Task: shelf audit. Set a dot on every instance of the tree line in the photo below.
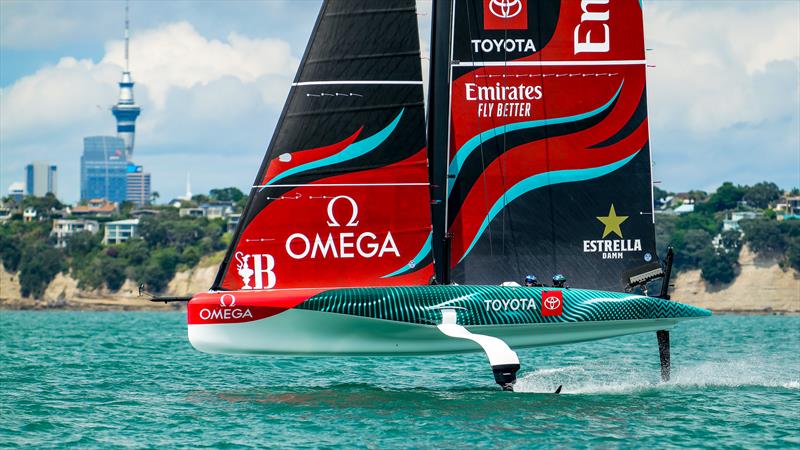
(692, 234)
(167, 243)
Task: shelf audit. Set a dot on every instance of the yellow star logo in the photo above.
(612, 222)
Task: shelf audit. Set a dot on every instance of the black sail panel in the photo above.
(549, 151)
(342, 195)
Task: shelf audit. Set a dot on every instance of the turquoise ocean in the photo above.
(131, 380)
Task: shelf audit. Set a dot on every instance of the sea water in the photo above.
(131, 380)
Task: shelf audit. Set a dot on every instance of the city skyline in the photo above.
(723, 96)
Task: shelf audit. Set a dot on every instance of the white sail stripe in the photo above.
(622, 62)
(338, 185)
(323, 83)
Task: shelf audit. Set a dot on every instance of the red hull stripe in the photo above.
(244, 306)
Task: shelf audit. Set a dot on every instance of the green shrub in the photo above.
(764, 236)
(10, 253)
(690, 245)
(727, 196)
(82, 244)
(135, 252)
(159, 269)
(39, 265)
(793, 253)
(762, 194)
(731, 241)
(190, 256)
(718, 267)
(226, 194)
(114, 274)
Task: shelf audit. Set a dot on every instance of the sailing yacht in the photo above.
(376, 226)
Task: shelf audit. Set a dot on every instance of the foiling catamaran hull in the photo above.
(534, 156)
(406, 320)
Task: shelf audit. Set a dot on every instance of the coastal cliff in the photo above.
(63, 292)
(761, 286)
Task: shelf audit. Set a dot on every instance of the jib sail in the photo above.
(342, 196)
(549, 165)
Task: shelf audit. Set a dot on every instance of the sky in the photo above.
(212, 76)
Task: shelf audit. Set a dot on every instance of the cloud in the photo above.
(177, 56)
(198, 95)
(55, 98)
(724, 99)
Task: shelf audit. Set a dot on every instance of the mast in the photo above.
(438, 133)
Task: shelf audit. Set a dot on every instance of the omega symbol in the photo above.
(332, 222)
(230, 297)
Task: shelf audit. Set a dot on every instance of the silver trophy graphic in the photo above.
(243, 270)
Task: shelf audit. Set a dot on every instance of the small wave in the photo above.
(605, 379)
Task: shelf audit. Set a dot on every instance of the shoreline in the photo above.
(97, 304)
(143, 304)
(762, 287)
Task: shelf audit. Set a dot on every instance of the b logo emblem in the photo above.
(262, 265)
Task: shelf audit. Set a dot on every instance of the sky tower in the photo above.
(126, 110)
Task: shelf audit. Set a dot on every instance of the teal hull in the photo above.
(494, 305)
(403, 320)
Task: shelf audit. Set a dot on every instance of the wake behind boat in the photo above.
(534, 158)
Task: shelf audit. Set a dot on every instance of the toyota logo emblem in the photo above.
(552, 302)
(505, 9)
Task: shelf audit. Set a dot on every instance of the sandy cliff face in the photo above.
(192, 281)
(9, 284)
(63, 292)
(761, 286)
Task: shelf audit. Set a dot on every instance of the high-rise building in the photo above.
(41, 178)
(104, 169)
(138, 191)
(126, 110)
